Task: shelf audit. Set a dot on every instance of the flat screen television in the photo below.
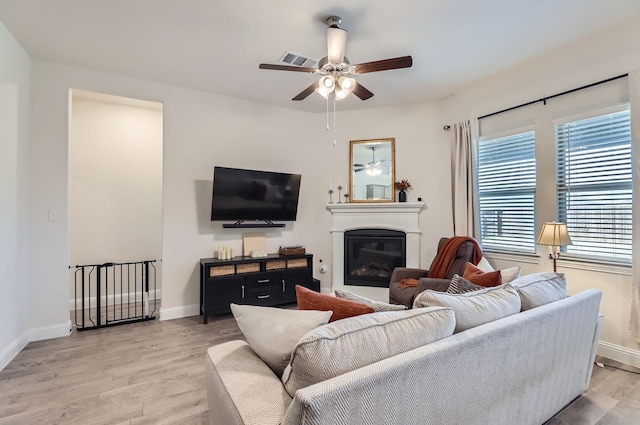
(243, 195)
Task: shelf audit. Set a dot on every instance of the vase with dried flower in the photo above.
(402, 186)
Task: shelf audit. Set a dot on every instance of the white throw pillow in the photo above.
(484, 265)
(273, 332)
(376, 305)
(540, 288)
(510, 274)
(506, 275)
(355, 342)
(474, 308)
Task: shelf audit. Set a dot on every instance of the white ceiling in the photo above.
(216, 46)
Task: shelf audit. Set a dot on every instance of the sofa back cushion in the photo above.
(474, 308)
(540, 288)
(352, 343)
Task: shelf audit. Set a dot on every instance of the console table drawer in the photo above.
(263, 279)
(269, 295)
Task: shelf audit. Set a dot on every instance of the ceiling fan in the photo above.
(373, 168)
(335, 69)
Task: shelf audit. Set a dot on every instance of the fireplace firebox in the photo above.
(370, 255)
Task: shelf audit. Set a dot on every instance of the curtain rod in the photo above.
(544, 99)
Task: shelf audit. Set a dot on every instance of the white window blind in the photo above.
(506, 192)
(594, 185)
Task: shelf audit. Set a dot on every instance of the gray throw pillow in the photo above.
(376, 305)
(460, 285)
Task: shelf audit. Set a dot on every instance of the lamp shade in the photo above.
(554, 234)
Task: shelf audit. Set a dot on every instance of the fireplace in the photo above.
(370, 255)
(400, 216)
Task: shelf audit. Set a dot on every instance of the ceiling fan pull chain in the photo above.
(334, 120)
(327, 113)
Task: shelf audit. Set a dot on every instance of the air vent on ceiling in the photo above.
(295, 59)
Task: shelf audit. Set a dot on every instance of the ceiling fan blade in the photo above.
(306, 92)
(287, 68)
(360, 91)
(384, 65)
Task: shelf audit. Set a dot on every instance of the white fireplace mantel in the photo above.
(402, 216)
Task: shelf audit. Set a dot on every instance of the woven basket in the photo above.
(297, 263)
(221, 270)
(276, 264)
(248, 268)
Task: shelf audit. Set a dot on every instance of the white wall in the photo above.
(115, 181)
(421, 157)
(605, 55)
(202, 130)
(15, 67)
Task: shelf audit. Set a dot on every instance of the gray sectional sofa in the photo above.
(519, 369)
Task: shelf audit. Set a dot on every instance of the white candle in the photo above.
(329, 182)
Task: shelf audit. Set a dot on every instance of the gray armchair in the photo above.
(407, 295)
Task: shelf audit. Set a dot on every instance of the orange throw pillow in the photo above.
(312, 300)
(477, 276)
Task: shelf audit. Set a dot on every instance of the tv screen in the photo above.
(254, 195)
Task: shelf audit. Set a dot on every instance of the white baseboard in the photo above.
(51, 331)
(619, 353)
(12, 350)
(179, 312)
(33, 334)
(124, 298)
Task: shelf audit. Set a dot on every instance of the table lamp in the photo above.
(555, 235)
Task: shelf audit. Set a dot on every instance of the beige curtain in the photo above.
(634, 100)
(463, 179)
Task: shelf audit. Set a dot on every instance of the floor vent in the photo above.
(295, 59)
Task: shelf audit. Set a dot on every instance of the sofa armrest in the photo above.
(400, 273)
(241, 389)
(434, 284)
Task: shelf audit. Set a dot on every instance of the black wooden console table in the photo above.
(266, 281)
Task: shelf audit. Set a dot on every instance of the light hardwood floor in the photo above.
(153, 373)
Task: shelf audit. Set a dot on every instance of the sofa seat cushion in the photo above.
(540, 288)
(376, 305)
(349, 344)
(474, 308)
(273, 332)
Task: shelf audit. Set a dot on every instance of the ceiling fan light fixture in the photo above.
(344, 87)
(327, 83)
(336, 42)
(374, 171)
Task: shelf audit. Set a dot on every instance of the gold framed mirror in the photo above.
(372, 165)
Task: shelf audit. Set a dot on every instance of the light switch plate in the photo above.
(53, 215)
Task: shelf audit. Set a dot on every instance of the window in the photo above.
(507, 190)
(594, 186)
